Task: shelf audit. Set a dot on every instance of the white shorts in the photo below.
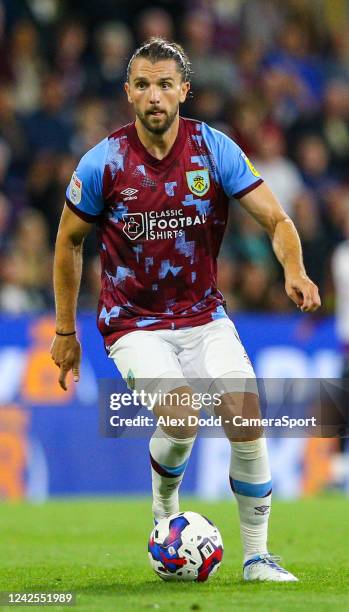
(209, 357)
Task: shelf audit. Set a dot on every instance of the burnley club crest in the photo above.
(198, 181)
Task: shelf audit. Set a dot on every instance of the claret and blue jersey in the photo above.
(160, 225)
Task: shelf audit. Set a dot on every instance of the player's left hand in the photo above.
(303, 292)
(66, 354)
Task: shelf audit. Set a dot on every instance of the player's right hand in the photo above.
(66, 353)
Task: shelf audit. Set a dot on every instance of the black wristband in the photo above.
(68, 334)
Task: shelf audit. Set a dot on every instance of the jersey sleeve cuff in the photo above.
(240, 194)
(80, 213)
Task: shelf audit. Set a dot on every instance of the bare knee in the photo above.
(241, 416)
(176, 417)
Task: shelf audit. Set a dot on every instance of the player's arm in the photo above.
(66, 350)
(242, 181)
(264, 207)
(84, 205)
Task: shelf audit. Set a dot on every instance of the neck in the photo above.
(158, 145)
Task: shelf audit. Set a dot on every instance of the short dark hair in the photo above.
(157, 49)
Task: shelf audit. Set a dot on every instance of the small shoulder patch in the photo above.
(75, 189)
(250, 165)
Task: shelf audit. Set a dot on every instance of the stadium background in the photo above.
(275, 77)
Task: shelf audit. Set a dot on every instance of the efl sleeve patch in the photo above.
(75, 189)
(250, 165)
(85, 190)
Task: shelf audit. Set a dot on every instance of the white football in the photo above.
(185, 547)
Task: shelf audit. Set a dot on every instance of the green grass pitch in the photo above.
(98, 549)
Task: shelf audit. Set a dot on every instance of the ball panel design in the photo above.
(185, 547)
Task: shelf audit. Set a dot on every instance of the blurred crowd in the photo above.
(272, 75)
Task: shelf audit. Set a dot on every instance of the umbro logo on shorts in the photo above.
(129, 192)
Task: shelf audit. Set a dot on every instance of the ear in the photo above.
(185, 87)
(127, 89)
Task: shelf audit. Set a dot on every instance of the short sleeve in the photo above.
(84, 195)
(235, 172)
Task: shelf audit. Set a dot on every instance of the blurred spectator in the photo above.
(335, 204)
(295, 58)
(209, 104)
(209, 68)
(281, 175)
(249, 241)
(335, 123)
(340, 268)
(255, 281)
(48, 128)
(5, 223)
(89, 296)
(47, 179)
(261, 22)
(227, 280)
(26, 267)
(5, 158)
(11, 128)
(249, 63)
(331, 123)
(69, 61)
(10, 184)
(28, 66)
(154, 22)
(314, 163)
(114, 45)
(337, 64)
(280, 91)
(225, 17)
(5, 66)
(245, 117)
(91, 125)
(314, 242)
(12, 12)
(119, 112)
(45, 12)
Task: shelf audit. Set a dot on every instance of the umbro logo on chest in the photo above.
(129, 193)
